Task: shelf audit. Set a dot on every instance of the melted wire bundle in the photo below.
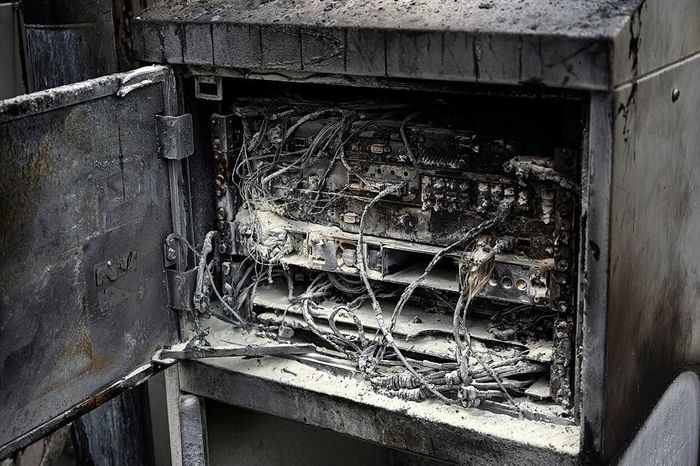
(280, 144)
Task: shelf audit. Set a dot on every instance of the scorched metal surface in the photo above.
(86, 207)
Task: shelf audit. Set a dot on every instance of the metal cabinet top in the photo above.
(593, 44)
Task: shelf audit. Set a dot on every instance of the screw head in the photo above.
(220, 213)
(408, 221)
(171, 254)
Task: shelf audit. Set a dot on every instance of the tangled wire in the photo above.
(269, 153)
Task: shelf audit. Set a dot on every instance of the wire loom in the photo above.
(266, 154)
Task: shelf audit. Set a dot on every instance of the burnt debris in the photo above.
(436, 257)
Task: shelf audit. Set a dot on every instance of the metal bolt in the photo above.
(349, 257)
(562, 264)
(408, 221)
(220, 191)
(217, 144)
(220, 213)
(172, 255)
(285, 332)
(109, 263)
(675, 94)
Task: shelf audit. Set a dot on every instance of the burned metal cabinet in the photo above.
(86, 205)
(557, 138)
(629, 64)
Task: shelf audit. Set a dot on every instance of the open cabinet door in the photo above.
(85, 209)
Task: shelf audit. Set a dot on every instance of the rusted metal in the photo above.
(132, 380)
(86, 209)
(222, 142)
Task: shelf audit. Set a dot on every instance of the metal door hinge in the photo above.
(175, 136)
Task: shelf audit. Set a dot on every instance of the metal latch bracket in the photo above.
(175, 136)
(181, 287)
(208, 88)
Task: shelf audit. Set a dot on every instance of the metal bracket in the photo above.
(171, 252)
(181, 287)
(175, 136)
(193, 431)
(222, 141)
(222, 132)
(186, 350)
(208, 88)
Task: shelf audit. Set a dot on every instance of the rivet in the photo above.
(675, 94)
(220, 213)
